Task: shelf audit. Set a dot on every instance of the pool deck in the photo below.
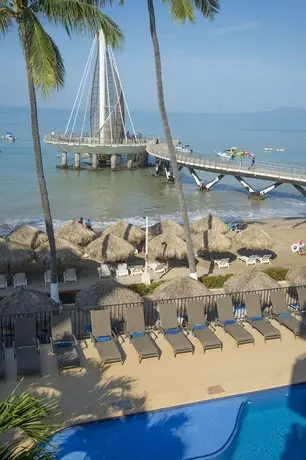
(92, 393)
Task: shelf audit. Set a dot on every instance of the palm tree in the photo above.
(181, 11)
(27, 413)
(45, 67)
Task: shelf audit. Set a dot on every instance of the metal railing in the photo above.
(81, 317)
(61, 138)
(238, 166)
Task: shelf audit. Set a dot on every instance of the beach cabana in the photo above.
(254, 238)
(105, 292)
(250, 280)
(209, 222)
(14, 254)
(109, 248)
(179, 288)
(125, 231)
(76, 233)
(66, 252)
(211, 241)
(167, 247)
(167, 226)
(26, 301)
(27, 235)
(297, 275)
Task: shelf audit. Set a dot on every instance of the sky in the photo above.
(251, 58)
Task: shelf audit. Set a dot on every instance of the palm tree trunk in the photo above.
(40, 173)
(171, 150)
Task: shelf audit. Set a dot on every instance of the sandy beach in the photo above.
(285, 232)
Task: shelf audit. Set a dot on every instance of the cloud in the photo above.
(245, 26)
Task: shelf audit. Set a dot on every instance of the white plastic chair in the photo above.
(264, 259)
(136, 270)
(158, 267)
(104, 271)
(70, 275)
(122, 270)
(222, 263)
(3, 282)
(248, 260)
(20, 280)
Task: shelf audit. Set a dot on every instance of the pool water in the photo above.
(266, 425)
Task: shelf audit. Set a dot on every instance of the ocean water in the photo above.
(107, 196)
(266, 425)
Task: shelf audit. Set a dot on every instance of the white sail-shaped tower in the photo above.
(100, 122)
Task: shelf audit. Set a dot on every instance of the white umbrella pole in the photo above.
(146, 276)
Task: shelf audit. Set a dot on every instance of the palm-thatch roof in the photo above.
(250, 280)
(28, 235)
(105, 292)
(254, 237)
(14, 254)
(167, 226)
(76, 233)
(167, 246)
(209, 222)
(211, 241)
(66, 252)
(26, 301)
(126, 231)
(297, 275)
(180, 288)
(109, 248)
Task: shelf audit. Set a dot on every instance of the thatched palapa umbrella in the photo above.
(126, 231)
(14, 254)
(254, 238)
(28, 236)
(250, 280)
(105, 292)
(76, 233)
(211, 241)
(167, 246)
(209, 222)
(179, 288)
(167, 226)
(110, 248)
(26, 301)
(66, 252)
(297, 275)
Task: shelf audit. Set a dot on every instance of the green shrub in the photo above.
(142, 289)
(278, 274)
(215, 282)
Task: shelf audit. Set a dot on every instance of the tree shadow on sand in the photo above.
(92, 394)
(295, 442)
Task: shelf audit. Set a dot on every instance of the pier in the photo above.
(238, 168)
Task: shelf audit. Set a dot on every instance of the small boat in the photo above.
(184, 148)
(225, 154)
(233, 152)
(273, 149)
(9, 137)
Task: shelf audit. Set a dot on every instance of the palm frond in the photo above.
(181, 10)
(208, 8)
(26, 412)
(46, 62)
(13, 451)
(81, 16)
(5, 20)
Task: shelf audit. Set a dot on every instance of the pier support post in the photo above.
(300, 188)
(129, 161)
(168, 171)
(113, 161)
(143, 160)
(199, 182)
(158, 167)
(94, 162)
(269, 188)
(77, 160)
(245, 184)
(64, 163)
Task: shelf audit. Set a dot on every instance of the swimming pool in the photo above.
(267, 425)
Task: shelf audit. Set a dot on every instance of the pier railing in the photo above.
(239, 165)
(81, 317)
(75, 139)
